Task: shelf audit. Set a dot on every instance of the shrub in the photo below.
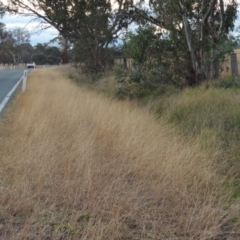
(231, 82)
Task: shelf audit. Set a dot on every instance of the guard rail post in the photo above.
(24, 84)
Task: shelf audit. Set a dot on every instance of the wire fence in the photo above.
(124, 62)
(230, 67)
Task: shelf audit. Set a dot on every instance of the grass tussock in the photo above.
(213, 118)
(76, 165)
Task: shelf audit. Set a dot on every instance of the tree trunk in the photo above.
(64, 51)
(125, 63)
(13, 56)
(215, 69)
(195, 65)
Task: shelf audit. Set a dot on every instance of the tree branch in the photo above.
(222, 25)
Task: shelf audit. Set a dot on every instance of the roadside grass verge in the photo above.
(77, 165)
(209, 116)
(106, 84)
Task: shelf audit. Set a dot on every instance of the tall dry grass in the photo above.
(76, 165)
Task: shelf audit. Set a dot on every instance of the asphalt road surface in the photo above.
(8, 79)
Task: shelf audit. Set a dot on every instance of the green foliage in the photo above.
(230, 16)
(39, 59)
(88, 63)
(140, 82)
(53, 60)
(231, 82)
(218, 52)
(140, 44)
(46, 54)
(53, 52)
(134, 84)
(156, 63)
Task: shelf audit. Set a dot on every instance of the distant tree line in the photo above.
(15, 47)
(181, 42)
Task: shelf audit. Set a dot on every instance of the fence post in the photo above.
(234, 64)
(24, 84)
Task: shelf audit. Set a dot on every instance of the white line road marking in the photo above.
(6, 99)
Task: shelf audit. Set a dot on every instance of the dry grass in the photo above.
(76, 165)
(107, 84)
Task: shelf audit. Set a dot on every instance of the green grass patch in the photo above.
(231, 82)
(212, 117)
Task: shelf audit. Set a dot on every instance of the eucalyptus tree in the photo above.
(93, 23)
(19, 45)
(4, 35)
(65, 45)
(201, 26)
(46, 54)
(5, 40)
(3, 32)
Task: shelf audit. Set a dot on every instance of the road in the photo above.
(8, 79)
